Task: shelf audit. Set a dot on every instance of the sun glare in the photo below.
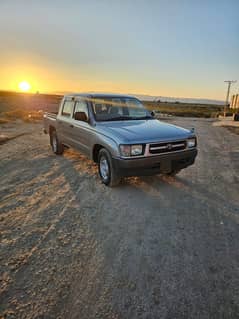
(24, 86)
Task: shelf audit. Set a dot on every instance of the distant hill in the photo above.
(155, 98)
(181, 100)
(10, 101)
(25, 103)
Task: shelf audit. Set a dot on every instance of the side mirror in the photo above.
(152, 113)
(80, 116)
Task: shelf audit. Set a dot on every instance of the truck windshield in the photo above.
(119, 109)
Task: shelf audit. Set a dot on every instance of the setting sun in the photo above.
(24, 86)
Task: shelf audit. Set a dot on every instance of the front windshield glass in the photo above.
(119, 109)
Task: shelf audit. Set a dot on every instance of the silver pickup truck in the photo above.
(120, 135)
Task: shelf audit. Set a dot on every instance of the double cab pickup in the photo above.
(119, 134)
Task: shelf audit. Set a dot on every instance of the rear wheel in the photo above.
(236, 117)
(106, 169)
(174, 172)
(56, 146)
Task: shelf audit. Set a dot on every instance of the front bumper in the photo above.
(164, 163)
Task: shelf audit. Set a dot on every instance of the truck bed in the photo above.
(50, 115)
(49, 119)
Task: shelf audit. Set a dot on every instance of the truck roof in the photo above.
(99, 95)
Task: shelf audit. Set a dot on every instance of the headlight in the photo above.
(136, 150)
(125, 150)
(131, 150)
(192, 142)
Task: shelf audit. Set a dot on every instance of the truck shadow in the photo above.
(157, 237)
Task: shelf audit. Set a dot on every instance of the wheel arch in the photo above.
(106, 142)
(95, 152)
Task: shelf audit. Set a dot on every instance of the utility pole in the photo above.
(228, 94)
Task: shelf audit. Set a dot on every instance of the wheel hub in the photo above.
(54, 143)
(104, 168)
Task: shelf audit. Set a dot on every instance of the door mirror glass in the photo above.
(81, 116)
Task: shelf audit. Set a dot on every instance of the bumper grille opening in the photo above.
(167, 147)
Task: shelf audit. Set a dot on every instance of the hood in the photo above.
(142, 131)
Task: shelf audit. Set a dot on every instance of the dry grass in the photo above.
(4, 121)
(186, 109)
(11, 116)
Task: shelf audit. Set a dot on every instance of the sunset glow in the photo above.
(24, 86)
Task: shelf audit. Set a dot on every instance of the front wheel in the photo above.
(106, 169)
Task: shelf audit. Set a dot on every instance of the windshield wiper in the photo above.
(119, 118)
(125, 118)
(147, 117)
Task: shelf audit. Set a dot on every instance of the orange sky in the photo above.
(47, 77)
(165, 48)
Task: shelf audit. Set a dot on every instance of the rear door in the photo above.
(64, 120)
(82, 131)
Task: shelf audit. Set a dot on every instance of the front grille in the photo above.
(167, 147)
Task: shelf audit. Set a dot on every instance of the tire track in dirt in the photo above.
(155, 247)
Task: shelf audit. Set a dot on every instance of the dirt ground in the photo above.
(155, 247)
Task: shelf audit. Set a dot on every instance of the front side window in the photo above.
(120, 108)
(67, 108)
(81, 106)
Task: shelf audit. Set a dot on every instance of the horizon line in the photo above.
(62, 93)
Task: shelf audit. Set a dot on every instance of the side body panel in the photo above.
(85, 136)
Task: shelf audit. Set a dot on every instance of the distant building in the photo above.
(235, 102)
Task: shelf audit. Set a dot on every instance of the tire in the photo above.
(236, 117)
(174, 172)
(107, 172)
(56, 146)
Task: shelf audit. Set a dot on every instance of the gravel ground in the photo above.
(155, 247)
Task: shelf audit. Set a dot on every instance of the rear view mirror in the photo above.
(152, 113)
(81, 116)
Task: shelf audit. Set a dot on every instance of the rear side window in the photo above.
(67, 108)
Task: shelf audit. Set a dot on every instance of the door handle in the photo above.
(71, 125)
